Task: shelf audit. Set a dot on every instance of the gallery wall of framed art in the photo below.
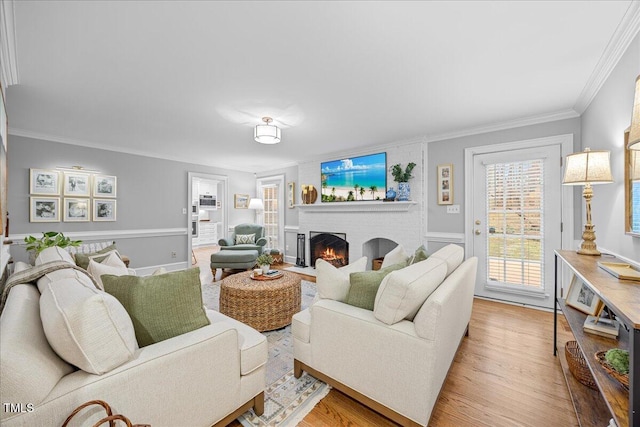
(71, 195)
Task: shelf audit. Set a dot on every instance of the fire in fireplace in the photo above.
(331, 247)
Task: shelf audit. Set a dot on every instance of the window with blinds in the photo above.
(270, 215)
(515, 223)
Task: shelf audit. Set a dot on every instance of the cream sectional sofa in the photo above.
(200, 378)
(395, 358)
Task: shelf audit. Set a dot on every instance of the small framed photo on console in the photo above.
(583, 298)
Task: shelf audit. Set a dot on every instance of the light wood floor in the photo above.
(504, 374)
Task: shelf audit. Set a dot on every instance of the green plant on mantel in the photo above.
(264, 259)
(49, 239)
(400, 175)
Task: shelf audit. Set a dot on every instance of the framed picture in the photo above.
(445, 184)
(241, 201)
(76, 210)
(104, 210)
(104, 186)
(44, 182)
(76, 184)
(583, 298)
(292, 194)
(44, 209)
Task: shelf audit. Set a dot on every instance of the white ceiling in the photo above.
(189, 80)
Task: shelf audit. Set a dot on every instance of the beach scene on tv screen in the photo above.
(355, 178)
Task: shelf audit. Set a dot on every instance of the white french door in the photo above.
(517, 220)
(271, 190)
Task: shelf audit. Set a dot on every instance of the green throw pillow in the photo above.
(420, 255)
(364, 286)
(162, 306)
(82, 260)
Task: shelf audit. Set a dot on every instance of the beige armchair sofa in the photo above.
(201, 378)
(396, 365)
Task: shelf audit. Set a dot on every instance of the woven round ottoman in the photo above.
(263, 305)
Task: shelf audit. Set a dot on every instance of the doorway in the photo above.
(208, 211)
(519, 213)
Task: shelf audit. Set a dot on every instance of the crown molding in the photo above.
(8, 58)
(613, 52)
(510, 124)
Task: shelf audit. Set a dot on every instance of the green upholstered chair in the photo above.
(233, 243)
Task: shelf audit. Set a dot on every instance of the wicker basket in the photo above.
(622, 378)
(578, 366)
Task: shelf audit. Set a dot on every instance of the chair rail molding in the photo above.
(443, 237)
(18, 239)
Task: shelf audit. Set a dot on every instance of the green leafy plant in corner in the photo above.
(618, 359)
(49, 239)
(400, 175)
(264, 259)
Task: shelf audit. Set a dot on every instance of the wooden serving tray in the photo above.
(620, 270)
(264, 277)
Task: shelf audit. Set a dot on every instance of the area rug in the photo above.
(287, 399)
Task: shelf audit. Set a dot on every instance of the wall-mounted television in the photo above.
(354, 178)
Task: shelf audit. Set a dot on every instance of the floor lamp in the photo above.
(257, 205)
(588, 168)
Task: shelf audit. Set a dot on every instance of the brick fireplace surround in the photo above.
(372, 227)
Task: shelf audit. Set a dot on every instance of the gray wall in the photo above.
(603, 126)
(151, 194)
(452, 151)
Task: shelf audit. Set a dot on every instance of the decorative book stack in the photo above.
(602, 326)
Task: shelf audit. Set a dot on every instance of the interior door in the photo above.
(517, 214)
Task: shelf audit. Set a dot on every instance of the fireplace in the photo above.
(331, 247)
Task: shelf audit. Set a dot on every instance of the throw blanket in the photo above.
(31, 275)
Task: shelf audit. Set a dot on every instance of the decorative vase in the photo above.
(391, 194)
(404, 191)
(265, 268)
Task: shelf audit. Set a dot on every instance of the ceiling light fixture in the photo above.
(634, 133)
(266, 133)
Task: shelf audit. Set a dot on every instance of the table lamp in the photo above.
(588, 168)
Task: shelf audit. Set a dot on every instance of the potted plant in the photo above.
(48, 239)
(402, 177)
(264, 261)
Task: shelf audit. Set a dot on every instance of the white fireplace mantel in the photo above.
(358, 206)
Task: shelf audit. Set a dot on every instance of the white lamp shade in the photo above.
(635, 165)
(588, 167)
(267, 134)
(256, 204)
(634, 133)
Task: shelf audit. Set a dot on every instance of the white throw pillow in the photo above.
(333, 283)
(396, 256)
(110, 265)
(86, 327)
(452, 254)
(54, 253)
(402, 292)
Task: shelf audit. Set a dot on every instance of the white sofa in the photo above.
(200, 378)
(395, 366)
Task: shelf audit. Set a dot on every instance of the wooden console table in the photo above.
(595, 408)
